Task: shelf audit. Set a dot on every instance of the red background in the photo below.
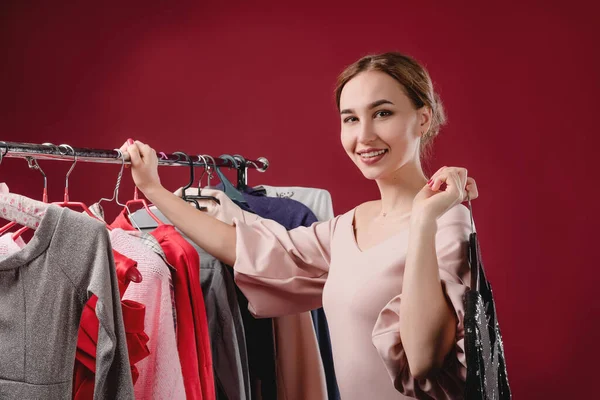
(519, 83)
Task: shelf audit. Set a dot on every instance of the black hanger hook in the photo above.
(191, 165)
(191, 182)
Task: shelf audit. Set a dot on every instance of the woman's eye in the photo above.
(349, 119)
(383, 113)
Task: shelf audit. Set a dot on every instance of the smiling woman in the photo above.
(390, 273)
(393, 96)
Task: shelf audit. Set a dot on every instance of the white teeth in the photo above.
(372, 154)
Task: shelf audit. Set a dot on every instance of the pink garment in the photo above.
(160, 373)
(283, 272)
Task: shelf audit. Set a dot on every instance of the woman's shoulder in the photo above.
(367, 208)
(344, 219)
(458, 213)
(361, 208)
(455, 222)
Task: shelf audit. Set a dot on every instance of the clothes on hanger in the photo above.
(193, 339)
(162, 272)
(161, 376)
(151, 356)
(318, 200)
(227, 336)
(46, 285)
(294, 371)
(226, 328)
(193, 333)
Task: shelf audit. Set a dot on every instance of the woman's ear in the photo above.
(425, 117)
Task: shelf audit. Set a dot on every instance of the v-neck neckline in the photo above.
(378, 244)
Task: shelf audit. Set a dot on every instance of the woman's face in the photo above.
(381, 128)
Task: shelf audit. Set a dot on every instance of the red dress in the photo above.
(133, 320)
(192, 324)
(193, 341)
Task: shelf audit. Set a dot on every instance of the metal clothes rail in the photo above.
(49, 151)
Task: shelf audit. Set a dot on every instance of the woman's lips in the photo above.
(371, 160)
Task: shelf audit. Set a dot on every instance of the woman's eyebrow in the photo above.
(371, 106)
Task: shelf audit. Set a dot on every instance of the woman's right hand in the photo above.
(144, 165)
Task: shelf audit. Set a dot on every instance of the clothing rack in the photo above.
(65, 152)
(49, 151)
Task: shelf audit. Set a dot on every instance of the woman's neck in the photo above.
(400, 188)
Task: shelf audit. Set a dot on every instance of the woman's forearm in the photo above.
(427, 321)
(212, 235)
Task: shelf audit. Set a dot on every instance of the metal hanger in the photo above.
(33, 164)
(140, 201)
(209, 169)
(115, 196)
(132, 273)
(66, 202)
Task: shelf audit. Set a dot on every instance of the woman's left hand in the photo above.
(448, 187)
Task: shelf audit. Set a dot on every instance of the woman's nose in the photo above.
(366, 132)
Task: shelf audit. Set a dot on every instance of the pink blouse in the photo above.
(286, 272)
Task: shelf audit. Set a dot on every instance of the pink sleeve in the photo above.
(448, 383)
(282, 272)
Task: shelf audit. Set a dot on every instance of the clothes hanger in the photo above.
(184, 196)
(199, 196)
(115, 196)
(64, 149)
(209, 169)
(21, 210)
(141, 202)
(230, 190)
(133, 274)
(66, 202)
(33, 164)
